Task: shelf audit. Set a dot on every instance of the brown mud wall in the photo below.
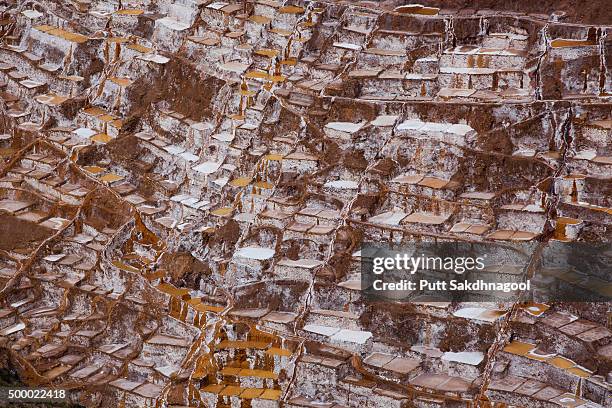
(16, 233)
(585, 11)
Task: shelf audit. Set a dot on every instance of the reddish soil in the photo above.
(16, 233)
(591, 12)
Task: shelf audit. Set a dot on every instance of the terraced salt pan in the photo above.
(389, 218)
(460, 129)
(411, 124)
(54, 258)
(223, 137)
(156, 58)
(416, 76)
(13, 329)
(55, 223)
(434, 127)
(323, 330)
(301, 263)
(342, 184)
(257, 253)
(384, 121)
(172, 24)
(466, 357)
(347, 127)
(336, 334)
(32, 14)
(478, 313)
(351, 336)
(190, 157)
(84, 132)
(207, 167)
(467, 71)
(217, 5)
(28, 83)
(347, 46)
(174, 149)
(168, 370)
(234, 67)
(221, 181)
(202, 126)
(586, 155)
